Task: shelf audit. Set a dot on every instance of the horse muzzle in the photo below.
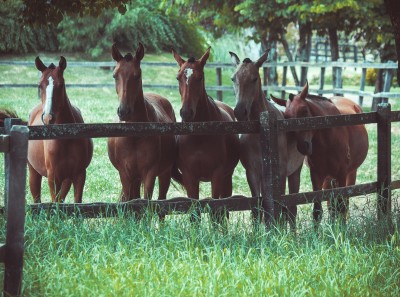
(304, 147)
(241, 113)
(48, 118)
(123, 113)
(187, 114)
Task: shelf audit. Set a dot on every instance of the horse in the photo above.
(8, 113)
(250, 102)
(333, 154)
(140, 159)
(62, 161)
(207, 158)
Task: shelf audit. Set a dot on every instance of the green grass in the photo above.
(125, 257)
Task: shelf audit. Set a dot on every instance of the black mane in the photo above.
(247, 60)
(191, 60)
(128, 57)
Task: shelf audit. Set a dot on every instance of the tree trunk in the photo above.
(272, 73)
(334, 42)
(393, 9)
(290, 57)
(378, 89)
(305, 33)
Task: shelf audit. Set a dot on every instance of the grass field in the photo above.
(127, 257)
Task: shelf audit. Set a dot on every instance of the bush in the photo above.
(371, 76)
(17, 38)
(145, 24)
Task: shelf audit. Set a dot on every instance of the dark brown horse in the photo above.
(62, 161)
(250, 102)
(140, 159)
(204, 157)
(334, 154)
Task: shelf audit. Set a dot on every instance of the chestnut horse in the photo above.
(250, 102)
(140, 159)
(204, 157)
(7, 113)
(62, 161)
(333, 154)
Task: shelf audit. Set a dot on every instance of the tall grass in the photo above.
(124, 256)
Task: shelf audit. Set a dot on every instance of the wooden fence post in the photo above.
(8, 123)
(362, 85)
(384, 161)
(284, 78)
(321, 81)
(339, 81)
(219, 82)
(270, 186)
(387, 83)
(14, 248)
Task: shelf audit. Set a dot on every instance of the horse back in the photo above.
(226, 111)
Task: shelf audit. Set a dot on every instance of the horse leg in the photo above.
(65, 187)
(221, 188)
(164, 181)
(130, 187)
(55, 188)
(280, 211)
(294, 187)
(317, 182)
(192, 187)
(35, 182)
(79, 183)
(255, 188)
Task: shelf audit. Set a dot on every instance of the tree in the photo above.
(393, 9)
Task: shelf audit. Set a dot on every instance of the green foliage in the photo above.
(17, 38)
(371, 76)
(143, 23)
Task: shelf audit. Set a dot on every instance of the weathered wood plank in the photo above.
(15, 215)
(2, 252)
(170, 206)
(139, 129)
(384, 160)
(314, 123)
(4, 143)
(325, 195)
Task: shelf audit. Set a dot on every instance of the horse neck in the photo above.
(322, 107)
(260, 104)
(66, 113)
(206, 109)
(142, 110)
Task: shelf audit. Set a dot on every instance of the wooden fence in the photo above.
(337, 68)
(14, 143)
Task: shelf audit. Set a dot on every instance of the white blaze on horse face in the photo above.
(188, 74)
(49, 96)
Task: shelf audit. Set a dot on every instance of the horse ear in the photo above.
(304, 92)
(234, 58)
(140, 52)
(39, 64)
(204, 58)
(262, 59)
(278, 101)
(115, 53)
(178, 58)
(63, 63)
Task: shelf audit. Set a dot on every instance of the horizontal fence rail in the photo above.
(219, 88)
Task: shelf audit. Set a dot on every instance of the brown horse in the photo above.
(204, 157)
(140, 159)
(333, 154)
(8, 113)
(62, 161)
(250, 102)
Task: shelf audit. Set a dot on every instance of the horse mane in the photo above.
(128, 57)
(191, 60)
(7, 113)
(52, 66)
(316, 97)
(247, 60)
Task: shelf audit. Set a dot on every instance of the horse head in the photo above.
(128, 80)
(52, 89)
(191, 83)
(298, 107)
(247, 85)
